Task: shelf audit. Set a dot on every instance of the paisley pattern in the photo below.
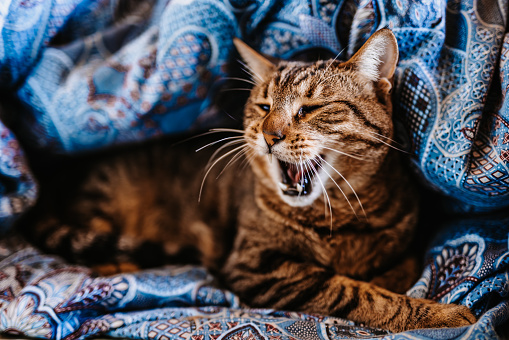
(74, 78)
(43, 297)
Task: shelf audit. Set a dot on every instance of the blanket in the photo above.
(74, 77)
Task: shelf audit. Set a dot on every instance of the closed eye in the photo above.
(265, 108)
(304, 110)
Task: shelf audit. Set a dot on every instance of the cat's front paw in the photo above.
(438, 315)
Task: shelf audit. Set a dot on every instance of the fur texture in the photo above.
(322, 219)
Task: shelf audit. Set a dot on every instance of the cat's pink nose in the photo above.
(274, 129)
(272, 137)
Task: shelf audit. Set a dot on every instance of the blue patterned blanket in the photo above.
(73, 79)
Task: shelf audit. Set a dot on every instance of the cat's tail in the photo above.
(97, 243)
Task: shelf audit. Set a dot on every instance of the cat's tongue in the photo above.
(294, 173)
(296, 178)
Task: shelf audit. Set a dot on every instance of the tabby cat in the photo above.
(288, 231)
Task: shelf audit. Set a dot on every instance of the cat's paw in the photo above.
(438, 315)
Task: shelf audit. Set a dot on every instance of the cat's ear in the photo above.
(258, 64)
(377, 58)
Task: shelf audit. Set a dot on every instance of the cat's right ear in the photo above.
(378, 57)
(258, 64)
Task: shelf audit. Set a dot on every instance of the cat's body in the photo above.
(137, 206)
(269, 230)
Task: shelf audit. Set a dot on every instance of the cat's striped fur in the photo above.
(289, 231)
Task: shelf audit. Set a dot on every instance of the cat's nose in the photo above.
(273, 137)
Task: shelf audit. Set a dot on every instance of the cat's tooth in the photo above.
(283, 186)
(299, 187)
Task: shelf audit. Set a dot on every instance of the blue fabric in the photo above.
(82, 82)
(41, 296)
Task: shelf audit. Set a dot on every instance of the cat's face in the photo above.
(313, 125)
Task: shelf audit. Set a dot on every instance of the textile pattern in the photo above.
(75, 78)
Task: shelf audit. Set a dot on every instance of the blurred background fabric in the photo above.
(78, 76)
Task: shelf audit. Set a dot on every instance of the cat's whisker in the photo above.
(211, 131)
(212, 166)
(330, 63)
(350, 186)
(324, 190)
(226, 130)
(235, 158)
(391, 146)
(211, 159)
(308, 166)
(302, 170)
(341, 190)
(248, 159)
(344, 153)
(334, 75)
(304, 163)
(313, 176)
(252, 157)
(235, 89)
(248, 72)
(229, 115)
(217, 141)
(251, 71)
(389, 139)
(240, 79)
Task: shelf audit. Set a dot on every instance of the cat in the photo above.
(320, 219)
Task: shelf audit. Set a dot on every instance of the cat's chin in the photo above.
(301, 201)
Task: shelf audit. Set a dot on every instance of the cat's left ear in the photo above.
(260, 65)
(377, 58)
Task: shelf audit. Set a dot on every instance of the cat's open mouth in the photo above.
(297, 179)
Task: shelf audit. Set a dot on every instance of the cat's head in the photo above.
(313, 125)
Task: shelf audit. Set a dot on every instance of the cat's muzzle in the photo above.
(297, 178)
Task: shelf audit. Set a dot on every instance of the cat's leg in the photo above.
(270, 278)
(401, 277)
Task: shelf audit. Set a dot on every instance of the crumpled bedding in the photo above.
(73, 78)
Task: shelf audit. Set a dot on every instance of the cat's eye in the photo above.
(304, 110)
(265, 108)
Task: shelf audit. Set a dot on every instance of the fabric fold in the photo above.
(77, 78)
